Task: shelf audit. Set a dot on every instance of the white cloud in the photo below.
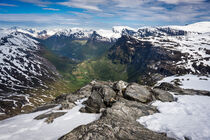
(10, 5)
(181, 1)
(84, 4)
(113, 12)
(128, 3)
(37, 2)
(39, 18)
(51, 9)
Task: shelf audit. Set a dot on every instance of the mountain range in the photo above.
(38, 65)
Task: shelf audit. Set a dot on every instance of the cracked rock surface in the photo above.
(120, 104)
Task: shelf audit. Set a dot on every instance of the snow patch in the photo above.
(24, 126)
(190, 81)
(188, 117)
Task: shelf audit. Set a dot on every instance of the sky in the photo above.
(102, 13)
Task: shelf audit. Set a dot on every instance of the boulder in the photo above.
(95, 101)
(109, 96)
(162, 95)
(138, 92)
(101, 97)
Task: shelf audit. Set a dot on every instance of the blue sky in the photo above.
(102, 13)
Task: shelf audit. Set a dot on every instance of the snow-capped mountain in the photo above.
(199, 27)
(164, 51)
(37, 33)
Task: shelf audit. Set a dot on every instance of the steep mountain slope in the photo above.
(24, 74)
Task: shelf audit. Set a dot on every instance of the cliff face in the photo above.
(147, 61)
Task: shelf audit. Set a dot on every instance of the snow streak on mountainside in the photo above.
(193, 41)
(194, 47)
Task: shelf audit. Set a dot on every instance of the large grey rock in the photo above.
(109, 95)
(162, 95)
(102, 96)
(138, 92)
(95, 101)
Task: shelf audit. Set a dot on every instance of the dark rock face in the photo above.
(119, 113)
(148, 60)
(161, 31)
(146, 63)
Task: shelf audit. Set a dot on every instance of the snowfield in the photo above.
(190, 81)
(25, 127)
(188, 117)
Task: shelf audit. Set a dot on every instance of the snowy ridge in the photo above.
(200, 27)
(75, 33)
(117, 31)
(42, 34)
(194, 46)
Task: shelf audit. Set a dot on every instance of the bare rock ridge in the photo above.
(120, 104)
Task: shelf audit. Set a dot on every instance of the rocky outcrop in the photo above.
(120, 105)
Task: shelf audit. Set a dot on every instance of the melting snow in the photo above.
(188, 117)
(190, 81)
(24, 126)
